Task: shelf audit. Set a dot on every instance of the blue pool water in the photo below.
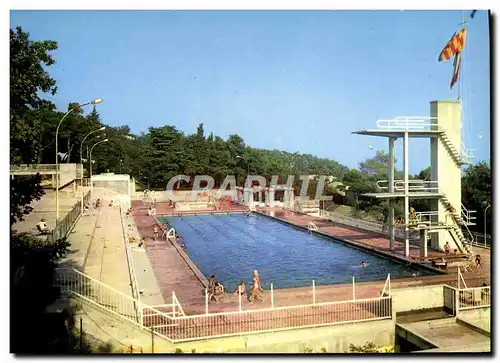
(232, 246)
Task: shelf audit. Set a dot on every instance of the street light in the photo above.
(95, 101)
(90, 160)
(81, 146)
(485, 209)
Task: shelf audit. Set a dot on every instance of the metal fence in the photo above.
(170, 322)
(481, 240)
(466, 298)
(366, 225)
(275, 319)
(62, 228)
(474, 297)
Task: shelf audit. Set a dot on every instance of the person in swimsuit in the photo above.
(257, 276)
(155, 232)
(255, 292)
(241, 288)
(479, 263)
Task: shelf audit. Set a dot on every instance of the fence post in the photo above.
(389, 278)
(206, 301)
(314, 292)
(173, 303)
(152, 340)
(353, 289)
(239, 296)
(81, 335)
(272, 295)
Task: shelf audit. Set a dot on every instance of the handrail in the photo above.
(407, 123)
(105, 295)
(130, 263)
(387, 285)
(413, 185)
(171, 233)
(311, 226)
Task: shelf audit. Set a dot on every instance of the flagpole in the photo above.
(459, 88)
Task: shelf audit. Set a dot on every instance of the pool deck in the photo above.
(174, 273)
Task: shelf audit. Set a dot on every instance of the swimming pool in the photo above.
(231, 246)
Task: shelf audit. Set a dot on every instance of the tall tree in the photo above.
(28, 80)
(476, 193)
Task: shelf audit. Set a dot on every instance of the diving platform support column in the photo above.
(423, 242)
(407, 197)
(391, 190)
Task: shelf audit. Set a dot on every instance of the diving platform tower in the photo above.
(448, 220)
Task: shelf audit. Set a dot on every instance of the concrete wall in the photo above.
(480, 318)
(417, 298)
(443, 167)
(335, 339)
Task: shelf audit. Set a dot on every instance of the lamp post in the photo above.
(93, 102)
(246, 161)
(485, 209)
(81, 146)
(90, 159)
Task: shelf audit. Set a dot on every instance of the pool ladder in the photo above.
(311, 227)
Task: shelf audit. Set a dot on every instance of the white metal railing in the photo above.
(408, 123)
(130, 263)
(422, 218)
(413, 185)
(467, 215)
(73, 282)
(387, 286)
(168, 234)
(482, 240)
(195, 327)
(170, 322)
(466, 153)
(474, 297)
(359, 223)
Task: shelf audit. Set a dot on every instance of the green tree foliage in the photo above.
(476, 193)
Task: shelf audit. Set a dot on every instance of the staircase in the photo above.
(462, 219)
(465, 245)
(460, 158)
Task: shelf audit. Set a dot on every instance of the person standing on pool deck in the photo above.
(155, 232)
(255, 293)
(257, 275)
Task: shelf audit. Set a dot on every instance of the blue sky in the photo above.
(296, 81)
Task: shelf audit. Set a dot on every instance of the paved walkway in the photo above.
(150, 292)
(98, 247)
(171, 270)
(46, 208)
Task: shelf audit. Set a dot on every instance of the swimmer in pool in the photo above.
(363, 264)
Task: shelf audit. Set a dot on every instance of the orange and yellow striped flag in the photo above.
(456, 69)
(454, 46)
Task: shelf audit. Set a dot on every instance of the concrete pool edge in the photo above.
(185, 257)
(357, 245)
